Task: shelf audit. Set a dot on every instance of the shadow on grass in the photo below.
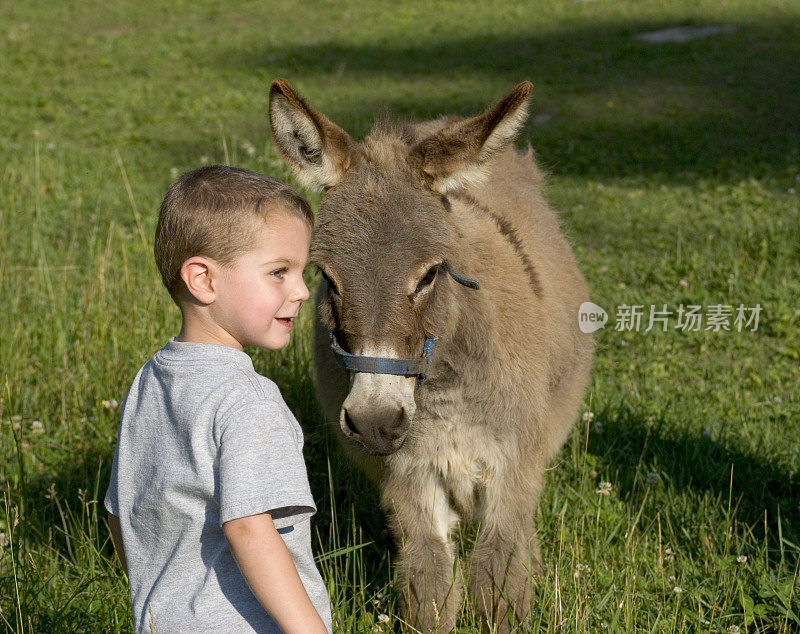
(724, 106)
(61, 511)
(59, 497)
(698, 464)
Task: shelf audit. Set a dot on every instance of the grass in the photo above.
(675, 169)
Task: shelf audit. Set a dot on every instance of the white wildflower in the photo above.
(604, 489)
(51, 492)
(383, 618)
(205, 160)
(588, 417)
(174, 172)
(581, 569)
(111, 404)
(3, 540)
(677, 589)
(37, 428)
(248, 148)
(670, 556)
(684, 283)
(734, 629)
(653, 478)
(742, 559)
(776, 399)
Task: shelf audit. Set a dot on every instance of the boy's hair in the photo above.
(211, 212)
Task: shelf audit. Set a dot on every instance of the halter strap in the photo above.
(464, 281)
(384, 365)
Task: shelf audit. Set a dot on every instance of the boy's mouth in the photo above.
(286, 321)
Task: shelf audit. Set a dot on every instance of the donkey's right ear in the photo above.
(318, 150)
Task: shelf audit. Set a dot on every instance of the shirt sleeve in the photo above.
(261, 466)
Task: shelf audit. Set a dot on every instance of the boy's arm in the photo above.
(270, 572)
(116, 537)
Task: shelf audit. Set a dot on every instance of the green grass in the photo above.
(675, 169)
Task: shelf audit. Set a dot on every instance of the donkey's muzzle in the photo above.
(380, 431)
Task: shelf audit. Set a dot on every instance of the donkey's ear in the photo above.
(457, 155)
(318, 150)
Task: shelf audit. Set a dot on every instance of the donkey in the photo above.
(447, 345)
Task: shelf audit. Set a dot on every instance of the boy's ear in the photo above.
(317, 149)
(197, 274)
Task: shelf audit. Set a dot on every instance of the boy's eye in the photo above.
(279, 273)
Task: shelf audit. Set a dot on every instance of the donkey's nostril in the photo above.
(397, 429)
(350, 424)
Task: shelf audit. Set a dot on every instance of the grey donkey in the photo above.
(451, 298)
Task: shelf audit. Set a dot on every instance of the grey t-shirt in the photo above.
(205, 439)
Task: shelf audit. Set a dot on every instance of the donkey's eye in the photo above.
(426, 280)
(331, 286)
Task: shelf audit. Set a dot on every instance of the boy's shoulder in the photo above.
(204, 373)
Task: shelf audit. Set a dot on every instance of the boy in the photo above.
(209, 503)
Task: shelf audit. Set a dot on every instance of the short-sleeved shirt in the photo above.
(205, 439)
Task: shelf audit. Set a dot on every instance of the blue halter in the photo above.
(388, 365)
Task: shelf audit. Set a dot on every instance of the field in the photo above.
(675, 168)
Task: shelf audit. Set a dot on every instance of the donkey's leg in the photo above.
(421, 518)
(507, 552)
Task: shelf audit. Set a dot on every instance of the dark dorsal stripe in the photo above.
(509, 234)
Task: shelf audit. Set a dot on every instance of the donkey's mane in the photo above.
(388, 143)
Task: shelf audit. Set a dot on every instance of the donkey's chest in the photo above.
(463, 458)
(455, 437)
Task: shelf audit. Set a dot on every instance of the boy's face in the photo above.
(259, 295)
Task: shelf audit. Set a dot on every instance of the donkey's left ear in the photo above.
(457, 155)
(317, 149)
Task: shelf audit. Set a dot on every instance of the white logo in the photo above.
(591, 317)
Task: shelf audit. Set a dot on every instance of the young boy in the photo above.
(209, 503)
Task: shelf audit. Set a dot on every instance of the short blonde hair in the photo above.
(210, 212)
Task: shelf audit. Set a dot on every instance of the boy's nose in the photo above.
(301, 293)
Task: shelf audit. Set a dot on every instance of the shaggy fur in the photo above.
(510, 364)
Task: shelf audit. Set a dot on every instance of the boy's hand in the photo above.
(270, 572)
